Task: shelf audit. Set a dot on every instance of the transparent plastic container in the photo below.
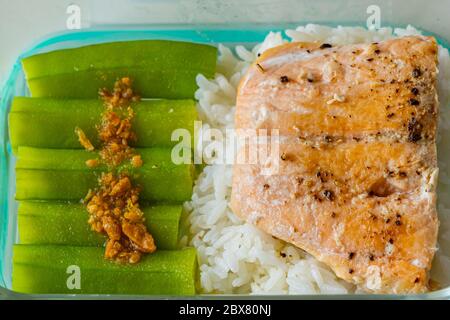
(229, 22)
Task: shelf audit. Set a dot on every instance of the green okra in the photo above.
(158, 68)
(49, 269)
(61, 174)
(51, 123)
(66, 224)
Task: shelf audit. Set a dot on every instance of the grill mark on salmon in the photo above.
(358, 169)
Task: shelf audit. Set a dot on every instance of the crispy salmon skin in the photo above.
(356, 182)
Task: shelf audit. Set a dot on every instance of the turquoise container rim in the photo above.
(208, 34)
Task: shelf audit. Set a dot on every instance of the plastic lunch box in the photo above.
(229, 22)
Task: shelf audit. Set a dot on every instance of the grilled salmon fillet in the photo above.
(356, 181)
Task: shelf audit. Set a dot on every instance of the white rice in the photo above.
(236, 257)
